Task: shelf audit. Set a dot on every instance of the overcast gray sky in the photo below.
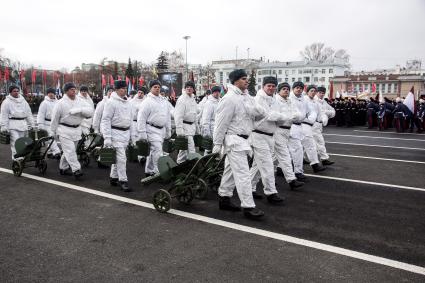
(55, 34)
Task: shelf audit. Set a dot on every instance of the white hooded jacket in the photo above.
(87, 122)
(272, 107)
(285, 106)
(313, 111)
(327, 111)
(118, 112)
(70, 112)
(98, 112)
(44, 115)
(16, 108)
(235, 116)
(208, 115)
(185, 110)
(154, 118)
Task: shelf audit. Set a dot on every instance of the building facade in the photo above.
(389, 85)
(308, 72)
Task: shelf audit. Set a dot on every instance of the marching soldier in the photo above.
(235, 115)
(135, 103)
(87, 122)
(281, 136)
(67, 116)
(16, 117)
(154, 125)
(185, 118)
(44, 117)
(118, 131)
(326, 112)
(263, 143)
(208, 113)
(97, 117)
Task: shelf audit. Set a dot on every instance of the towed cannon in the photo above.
(31, 152)
(186, 181)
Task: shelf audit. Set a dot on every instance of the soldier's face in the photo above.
(216, 94)
(298, 90)
(242, 83)
(15, 92)
(284, 92)
(122, 91)
(109, 92)
(71, 92)
(311, 93)
(51, 95)
(269, 89)
(85, 93)
(320, 94)
(155, 90)
(189, 90)
(140, 94)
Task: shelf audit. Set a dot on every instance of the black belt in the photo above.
(155, 126)
(243, 136)
(263, 133)
(319, 122)
(186, 122)
(68, 125)
(15, 118)
(285, 127)
(298, 124)
(307, 123)
(47, 119)
(134, 120)
(120, 129)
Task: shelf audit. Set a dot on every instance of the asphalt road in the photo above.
(52, 233)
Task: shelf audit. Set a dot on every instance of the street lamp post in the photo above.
(186, 37)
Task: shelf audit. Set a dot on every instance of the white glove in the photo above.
(96, 130)
(74, 111)
(296, 116)
(107, 143)
(217, 148)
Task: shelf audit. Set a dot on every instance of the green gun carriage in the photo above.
(186, 181)
(85, 150)
(31, 153)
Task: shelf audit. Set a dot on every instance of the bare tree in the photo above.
(319, 53)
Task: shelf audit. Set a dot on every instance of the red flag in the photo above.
(44, 76)
(119, 78)
(6, 74)
(141, 80)
(133, 81)
(103, 80)
(305, 88)
(33, 76)
(0, 74)
(111, 80)
(127, 80)
(373, 87)
(331, 91)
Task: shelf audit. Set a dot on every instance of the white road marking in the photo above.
(377, 158)
(388, 133)
(366, 182)
(377, 145)
(243, 228)
(371, 137)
